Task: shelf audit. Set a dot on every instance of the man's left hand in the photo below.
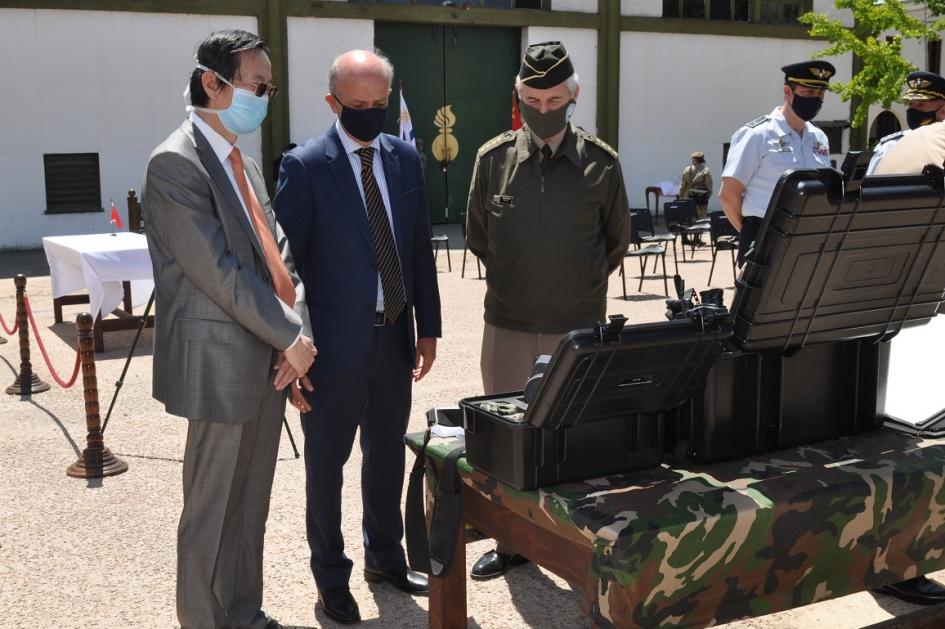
(297, 398)
(426, 354)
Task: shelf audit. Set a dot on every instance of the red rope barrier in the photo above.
(75, 372)
(16, 325)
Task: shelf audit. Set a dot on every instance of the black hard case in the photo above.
(600, 408)
(833, 278)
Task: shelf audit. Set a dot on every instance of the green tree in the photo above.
(879, 69)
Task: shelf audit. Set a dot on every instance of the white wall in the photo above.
(313, 43)
(90, 82)
(650, 8)
(581, 44)
(581, 6)
(683, 93)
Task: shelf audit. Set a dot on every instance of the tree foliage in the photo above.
(876, 38)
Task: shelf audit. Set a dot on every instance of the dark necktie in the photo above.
(546, 155)
(385, 249)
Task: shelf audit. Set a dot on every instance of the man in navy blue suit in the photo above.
(353, 207)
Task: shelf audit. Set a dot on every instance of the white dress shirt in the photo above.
(354, 159)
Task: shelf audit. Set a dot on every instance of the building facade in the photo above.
(98, 83)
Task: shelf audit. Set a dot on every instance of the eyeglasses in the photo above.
(262, 89)
(259, 89)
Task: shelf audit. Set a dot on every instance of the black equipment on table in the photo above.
(841, 264)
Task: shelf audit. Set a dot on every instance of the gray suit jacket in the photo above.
(217, 317)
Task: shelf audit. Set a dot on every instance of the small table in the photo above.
(114, 268)
(696, 545)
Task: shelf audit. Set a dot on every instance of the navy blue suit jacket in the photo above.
(320, 209)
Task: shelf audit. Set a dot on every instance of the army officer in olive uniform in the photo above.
(767, 147)
(548, 216)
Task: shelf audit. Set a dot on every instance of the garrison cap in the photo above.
(925, 86)
(545, 65)
(810, 73)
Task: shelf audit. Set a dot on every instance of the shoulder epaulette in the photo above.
(497, 141)
(758, 121)
(892, 136)
(593, 139)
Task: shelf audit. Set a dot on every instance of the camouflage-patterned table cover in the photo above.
(699, 545)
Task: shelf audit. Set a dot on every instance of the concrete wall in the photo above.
(581, 6)
(90, 82)
(683, 93)
(313, 43)
(581, 44)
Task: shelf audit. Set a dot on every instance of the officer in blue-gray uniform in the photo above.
(767, 147)
(925, 100)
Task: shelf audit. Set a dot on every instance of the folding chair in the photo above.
(723, 237)
(641, 253)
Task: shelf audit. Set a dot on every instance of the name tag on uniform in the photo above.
(503, 200)
(780, 146)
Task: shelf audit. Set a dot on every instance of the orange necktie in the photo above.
(280, 275)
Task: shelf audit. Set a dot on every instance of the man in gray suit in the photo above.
(232, 329)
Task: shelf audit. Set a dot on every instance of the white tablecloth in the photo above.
(100, 263)
(669, 188)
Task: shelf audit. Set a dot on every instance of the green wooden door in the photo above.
(457, 82)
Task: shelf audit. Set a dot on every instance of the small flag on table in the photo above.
(406, 126)
(116, 218)
(516, 114)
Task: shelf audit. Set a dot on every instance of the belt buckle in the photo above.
(378, 319)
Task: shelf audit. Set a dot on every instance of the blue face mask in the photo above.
(246, 111)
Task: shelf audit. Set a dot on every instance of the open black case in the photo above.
(842, 264)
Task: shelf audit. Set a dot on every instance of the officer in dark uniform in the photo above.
(548, 216)
(926, 104)
(767, 147)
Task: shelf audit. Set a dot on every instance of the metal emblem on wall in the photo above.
(445, 146)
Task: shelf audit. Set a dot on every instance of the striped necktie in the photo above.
(385, 249)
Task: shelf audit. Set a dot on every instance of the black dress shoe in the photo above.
(339, 605)
(494, 564)
(919, 590)
(404, 580)
(274, 624)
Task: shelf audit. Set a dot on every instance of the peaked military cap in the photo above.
(815, 73)
(925, 86)
(698, 155)
(545, 65)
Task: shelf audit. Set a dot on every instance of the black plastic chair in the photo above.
(443, 240)
(724, 237)
(641, 252)
(644, 223)
(462, 273)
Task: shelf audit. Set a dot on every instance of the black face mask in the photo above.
(364, 124)
(806, 107)
(916, 118)
(545, 125)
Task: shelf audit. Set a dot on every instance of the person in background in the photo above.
(925, 98)
(696, 183)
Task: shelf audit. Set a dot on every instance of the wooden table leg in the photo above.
(98, 335)
(126, 289)
(448, 592)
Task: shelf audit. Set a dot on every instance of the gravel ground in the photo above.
(102, 553)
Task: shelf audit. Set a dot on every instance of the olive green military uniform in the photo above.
(548, 242)
(696, 178)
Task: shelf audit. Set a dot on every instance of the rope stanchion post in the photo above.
(26, 375)
(96, 460)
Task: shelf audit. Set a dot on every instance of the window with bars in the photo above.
(759, 11)
(72, 183)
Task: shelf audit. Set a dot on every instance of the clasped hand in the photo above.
(292, 368)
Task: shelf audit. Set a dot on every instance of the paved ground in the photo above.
(101, 554)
